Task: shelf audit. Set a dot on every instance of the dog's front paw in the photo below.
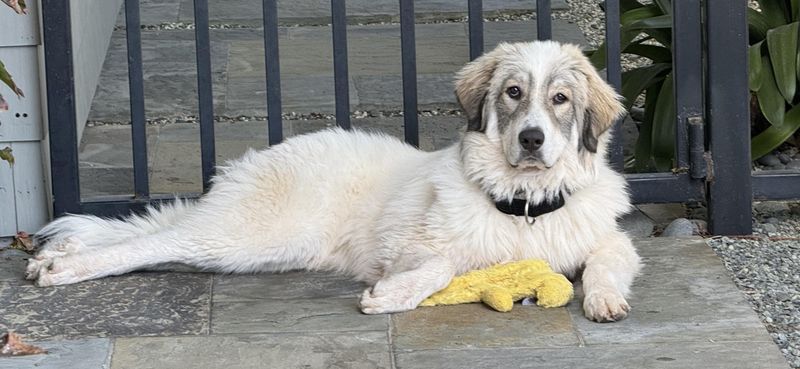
(378, 303)
(605, 307)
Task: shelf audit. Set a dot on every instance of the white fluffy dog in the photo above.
(528, 180)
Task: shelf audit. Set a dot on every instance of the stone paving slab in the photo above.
(356, 350)
(154, 12)
(111, 146)
(729, 355)
(12, 270)
(299, 315)
(135, 304)
(476, 326)
(286, 286)
(684, 295)
(92, 353)
(247, 95)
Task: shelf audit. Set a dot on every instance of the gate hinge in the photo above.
(699, 159)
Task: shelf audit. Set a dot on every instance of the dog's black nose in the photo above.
(531, 139)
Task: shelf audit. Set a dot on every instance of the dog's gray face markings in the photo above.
(546, 89)
(526, 96)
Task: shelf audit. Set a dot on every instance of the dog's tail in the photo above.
(96, 231)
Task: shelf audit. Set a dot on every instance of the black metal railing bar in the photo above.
(133, 36)
(273, 71)
(340, 75)
(409, 69)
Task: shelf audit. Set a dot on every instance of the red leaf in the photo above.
(13, 346)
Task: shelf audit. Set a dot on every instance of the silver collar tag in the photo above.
(529, 219)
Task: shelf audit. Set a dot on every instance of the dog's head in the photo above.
(537, 101)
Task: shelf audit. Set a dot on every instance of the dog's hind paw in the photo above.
(50, 251)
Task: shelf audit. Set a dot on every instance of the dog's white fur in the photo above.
(402, 220)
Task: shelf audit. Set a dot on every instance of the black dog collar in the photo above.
(523, 207)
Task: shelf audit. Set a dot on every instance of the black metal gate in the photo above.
(712, 138)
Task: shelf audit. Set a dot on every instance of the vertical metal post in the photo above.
(730, 190)
(61, 116)
(687, 61)
(133, 36)
(205, 99)
(340, 77)
(273, 69)
(475, 8)
(614, 77)
(409, 56)
(544, 27)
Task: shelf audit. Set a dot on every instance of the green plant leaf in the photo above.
(6, 78)
(5, 154)
(782, 47)
(643, 152)
(638, 14)
(770, 101)
(772, 137)
(658, 54)
(661, 21)
(598, 57)
(663, 135)
(637, 80)
(795, 5)
(775, 11)
(665, 6)
(625, 5)
(757, 25)
(754, 66)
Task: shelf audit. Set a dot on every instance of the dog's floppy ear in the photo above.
(472, 86)
(603, 107)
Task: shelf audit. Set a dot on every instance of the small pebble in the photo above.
(769, 160)
(769, 228)
(785, 159)
(680, 227)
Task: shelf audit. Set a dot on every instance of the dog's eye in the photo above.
(559, 98)
(514, 92)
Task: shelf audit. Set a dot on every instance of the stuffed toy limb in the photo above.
(501, 285)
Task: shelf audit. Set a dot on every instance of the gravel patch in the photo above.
(766, 267)
(787, 156)
(356, 114)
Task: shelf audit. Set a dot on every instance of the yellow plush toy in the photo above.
(500, 285)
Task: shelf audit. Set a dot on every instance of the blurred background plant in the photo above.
(774, 70)
(20, 8)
